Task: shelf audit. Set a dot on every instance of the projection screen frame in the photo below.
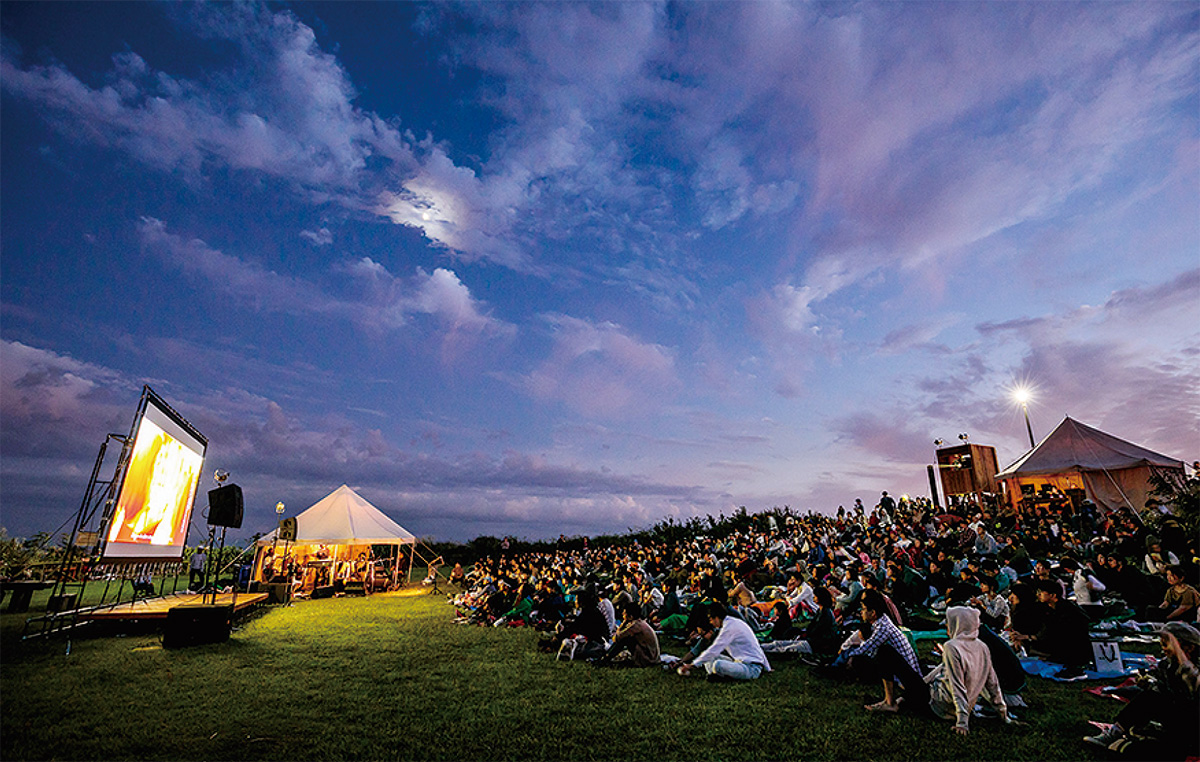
(163, 417)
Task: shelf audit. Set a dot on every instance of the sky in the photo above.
(534, 269)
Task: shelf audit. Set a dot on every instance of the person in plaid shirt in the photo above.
(888, 655)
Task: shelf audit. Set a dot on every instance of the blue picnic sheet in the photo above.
(1132, 662)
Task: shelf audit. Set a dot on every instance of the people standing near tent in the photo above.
(196, 568)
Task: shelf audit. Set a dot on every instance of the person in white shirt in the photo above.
(1087, 588)
(734, 654)
(800, 596)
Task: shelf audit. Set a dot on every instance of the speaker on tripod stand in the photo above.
(225, 507)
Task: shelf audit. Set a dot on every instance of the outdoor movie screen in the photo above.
(151, 516)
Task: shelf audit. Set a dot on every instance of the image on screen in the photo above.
(151, 515)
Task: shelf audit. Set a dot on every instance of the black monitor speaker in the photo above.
(287, 530)
(225, 507)
(191, 625)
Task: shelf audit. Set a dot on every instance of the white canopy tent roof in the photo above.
(343, 517)
(1072, 446)
(1114, 472)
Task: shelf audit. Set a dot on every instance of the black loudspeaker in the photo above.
(323, 592)
(194, 625)
(278, 592)
(287, 530)
(225, 507)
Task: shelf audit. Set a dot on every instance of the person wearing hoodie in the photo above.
(965, 672)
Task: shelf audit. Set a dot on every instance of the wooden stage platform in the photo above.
(156, 608)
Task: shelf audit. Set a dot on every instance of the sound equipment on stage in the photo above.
(326, 591)
(287, 530)
(195, 625)
(225, 506)
(278, 592)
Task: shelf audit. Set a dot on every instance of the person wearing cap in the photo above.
(1159, 722)
(734, 653)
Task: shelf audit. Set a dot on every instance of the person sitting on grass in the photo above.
(820, 638)
(1181, 600)
(993, 608)
(670, 605)
(1084, 583)
(1025, 614)
(1133, 585)
(870, 582)
(781, 622)
(1064, 635)
(587, 621)
(888, 656)
(734, 654)
(635, 644)
(1159, 722)
(846, 601)
(965, 672)
(800, 595)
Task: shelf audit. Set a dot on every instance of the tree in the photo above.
(1181, 493)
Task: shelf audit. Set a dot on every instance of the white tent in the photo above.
(1112, 472)
(344, 517)
(339, 530)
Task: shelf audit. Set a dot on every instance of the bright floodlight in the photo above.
(1021, 395)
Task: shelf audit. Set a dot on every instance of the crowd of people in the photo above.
(845, 593)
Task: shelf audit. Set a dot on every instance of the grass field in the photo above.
(392, 677)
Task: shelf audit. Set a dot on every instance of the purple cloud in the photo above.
(387, 302)
(601, 370)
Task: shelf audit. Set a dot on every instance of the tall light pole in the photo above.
(1021, 395)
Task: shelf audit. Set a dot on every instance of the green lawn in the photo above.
(392, 677)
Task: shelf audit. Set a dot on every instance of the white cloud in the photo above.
(319, 237)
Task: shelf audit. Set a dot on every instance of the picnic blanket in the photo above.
(1041, 668)
(930, 634)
